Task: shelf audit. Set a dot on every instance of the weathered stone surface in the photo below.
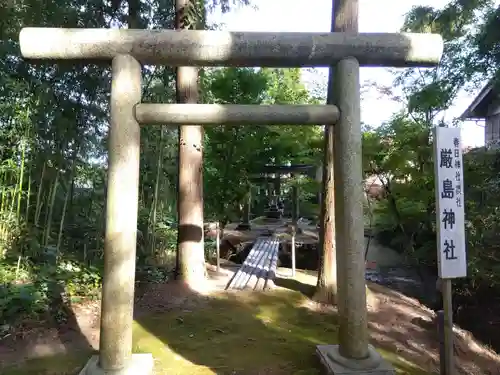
(353, 330)
(222, 48)
(349, 222)
(235, 114)
(121, 216)
(335, 364)
(139, 364)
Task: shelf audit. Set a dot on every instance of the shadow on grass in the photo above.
(56, 330)
(59, 364)
(247, 333)
(410, 325)
(64, 319)
(244, 333)
(295, 285)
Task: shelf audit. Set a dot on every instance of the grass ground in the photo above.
(271, 333)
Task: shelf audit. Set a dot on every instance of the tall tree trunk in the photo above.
(190, 242)
(21, 178)
(245, 220)
(155, 197)
(28, 198)
(326, 288)
(225, 176)
(71, 196)
(67, 198)
(50, 210)
(38, 207)
(134, 12)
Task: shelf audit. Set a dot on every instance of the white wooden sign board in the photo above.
(450, 221)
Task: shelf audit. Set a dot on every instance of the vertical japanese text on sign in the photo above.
(452, 260)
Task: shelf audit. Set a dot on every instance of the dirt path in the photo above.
(404, 326)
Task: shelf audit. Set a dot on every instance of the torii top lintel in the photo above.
(222, 48)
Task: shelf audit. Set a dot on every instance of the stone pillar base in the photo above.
(141, 364)
(335, 364)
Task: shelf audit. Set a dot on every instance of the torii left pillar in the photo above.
(117, 306)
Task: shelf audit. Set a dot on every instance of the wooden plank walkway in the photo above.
(259, 268)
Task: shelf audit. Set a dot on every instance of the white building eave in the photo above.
(469, 112)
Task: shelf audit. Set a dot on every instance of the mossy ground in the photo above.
(250, 333)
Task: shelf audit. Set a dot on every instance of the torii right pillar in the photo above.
(353, 354)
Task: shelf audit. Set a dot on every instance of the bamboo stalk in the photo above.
(65, 204)
(38, 207)
(157, 183)
(48, 222)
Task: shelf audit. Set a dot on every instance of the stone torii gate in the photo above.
(293, 169)
(279, 170)
(127, 49)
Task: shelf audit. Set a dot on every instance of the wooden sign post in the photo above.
(452, 262)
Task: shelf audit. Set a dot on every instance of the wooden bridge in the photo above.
(259, 268)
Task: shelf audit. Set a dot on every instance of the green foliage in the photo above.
(482, 176)
(234, 154)
(80, 280)
(152, 274)
(428, 92)
(399, 153)
(53, 159)
(30, 291)
(53, 131)
(19, 301)
(487, 42)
